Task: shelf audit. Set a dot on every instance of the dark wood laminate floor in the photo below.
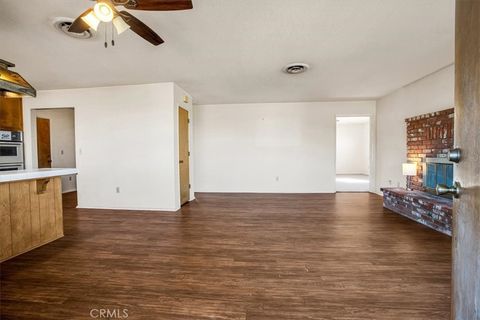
(237, 257)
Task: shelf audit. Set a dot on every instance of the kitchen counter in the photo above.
(33, 174)
(31, 210)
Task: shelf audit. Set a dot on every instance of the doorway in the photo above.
(353, 154)
(53, 137)
(184, 155)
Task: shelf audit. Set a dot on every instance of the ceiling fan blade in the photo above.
(159, 5)
(141, 29)
(80, 26)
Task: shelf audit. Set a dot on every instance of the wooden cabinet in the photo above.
(31, 215)
(20, 217)
(5, 225)
(11, 114)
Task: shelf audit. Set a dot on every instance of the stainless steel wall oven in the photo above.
(11, 150)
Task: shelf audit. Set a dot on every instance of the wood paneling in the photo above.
(44, 153)
(30, 216)
(20, 216)
(184, 156)
(237, 256)
(11, 114)
(35, 213)
(5, 225)
(57, 193)
(46, 206)
(466, 231)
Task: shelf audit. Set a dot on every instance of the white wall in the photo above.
(273, 147)
(62, 141)
(431, 93)
(125, 137)
(353, 148)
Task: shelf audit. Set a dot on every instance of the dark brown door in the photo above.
(184, 165)
(43, 143)
(466, 229)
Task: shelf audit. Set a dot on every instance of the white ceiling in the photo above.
(232, 51)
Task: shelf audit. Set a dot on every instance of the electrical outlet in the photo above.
(277, 178)
(117, 189)
(389, 182)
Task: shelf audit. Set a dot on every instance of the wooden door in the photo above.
(184, 154)
(43, 143)
(466, 226)
(11, 114)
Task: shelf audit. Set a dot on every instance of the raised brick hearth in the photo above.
(430, 210)
(428, 136)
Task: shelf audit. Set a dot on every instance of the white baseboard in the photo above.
(128, 209)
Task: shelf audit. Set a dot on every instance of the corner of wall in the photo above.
(433, 92)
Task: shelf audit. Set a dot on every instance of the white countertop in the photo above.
(31, 174)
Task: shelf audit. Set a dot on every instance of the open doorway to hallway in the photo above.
(53, 138)
(353, 154)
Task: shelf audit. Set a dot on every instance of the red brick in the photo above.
(428, 135)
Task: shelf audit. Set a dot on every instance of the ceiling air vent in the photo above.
(62, 24)
(296, 68)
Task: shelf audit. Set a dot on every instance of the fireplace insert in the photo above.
(437, 171)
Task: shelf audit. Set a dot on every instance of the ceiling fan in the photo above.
(106, 11)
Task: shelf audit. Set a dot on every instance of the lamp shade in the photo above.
(103, 12)
(409, 169)
(120, 25)
(92, 20)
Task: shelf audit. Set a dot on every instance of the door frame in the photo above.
(179, 109)
(373, 140)
(183, 100)
(30, 135)
(30, 140)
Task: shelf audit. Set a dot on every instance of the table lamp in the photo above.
(409, 170)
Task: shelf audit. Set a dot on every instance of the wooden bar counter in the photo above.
(31, 213)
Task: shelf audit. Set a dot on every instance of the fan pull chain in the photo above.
(113, 35)
(106, 44)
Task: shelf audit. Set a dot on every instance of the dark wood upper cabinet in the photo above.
(11, 114)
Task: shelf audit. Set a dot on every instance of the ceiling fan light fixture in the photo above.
(92, 20)
(120, 25)
(103, 12)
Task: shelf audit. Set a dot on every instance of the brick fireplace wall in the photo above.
(428, 136)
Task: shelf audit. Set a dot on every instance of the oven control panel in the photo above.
(15, 136)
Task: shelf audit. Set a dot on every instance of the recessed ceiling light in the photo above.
(296, 68)
(62, 24)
